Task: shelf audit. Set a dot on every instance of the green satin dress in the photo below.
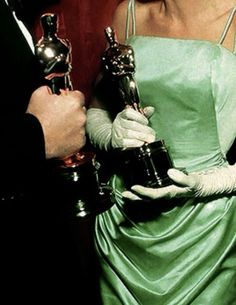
(185, 254)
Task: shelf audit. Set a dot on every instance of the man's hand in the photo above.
(63, 119)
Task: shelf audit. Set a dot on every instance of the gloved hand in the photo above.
(212, 182)
(129, 129)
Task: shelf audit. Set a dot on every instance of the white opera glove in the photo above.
(220, 181)
(129, 129)
(98, 127)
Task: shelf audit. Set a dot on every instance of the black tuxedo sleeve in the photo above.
(22, 154)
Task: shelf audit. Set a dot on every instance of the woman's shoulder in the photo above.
(119, 19)
(120, 16)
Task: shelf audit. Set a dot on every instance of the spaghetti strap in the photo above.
(130, 12)
(227, 26)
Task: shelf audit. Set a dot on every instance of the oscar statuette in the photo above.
(146, 165)
(79, 172)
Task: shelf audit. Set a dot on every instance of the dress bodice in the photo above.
(192, 85)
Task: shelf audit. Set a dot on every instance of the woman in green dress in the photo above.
(185, 71)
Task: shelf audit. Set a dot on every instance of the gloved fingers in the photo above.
(182, 179)
(132, 130)
(148, 111)
(131, 143)
(192, 185)
(125, 138)
(131, 196)
(132, 115)
(124, 142)
(142, 133)
(135, 126)
(168, 192)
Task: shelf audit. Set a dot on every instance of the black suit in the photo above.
(22, 143)
(37, 254)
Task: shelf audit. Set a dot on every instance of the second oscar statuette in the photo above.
(146, 165)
